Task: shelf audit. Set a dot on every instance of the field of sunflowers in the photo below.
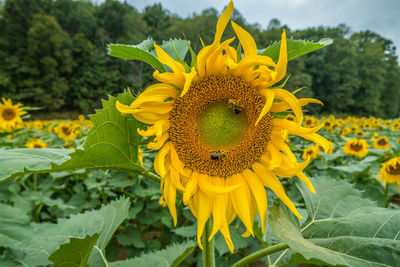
(214, 164)
(359, 171)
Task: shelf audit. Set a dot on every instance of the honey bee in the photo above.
(218, 155)
(234, 106)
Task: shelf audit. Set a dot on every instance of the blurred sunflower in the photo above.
(390, 171)
(311, 152)
(356, 147)
(381, 143)
(36, 143)
(218, 140)
(10, 115)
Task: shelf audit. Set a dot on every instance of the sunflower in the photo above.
(390, 171)
(327, 124)
(381, 143)
(218, 140)
(36, 143)
(66, 131)
(10, 115)
(360, 133)
(357, 147)
(311, 152)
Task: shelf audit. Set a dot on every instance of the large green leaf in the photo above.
(295, 48)
(14, 225)
(342, 228)
(112, 143)
(136, 52)
(35, 249)
(74, 253)
(171, 256)
(14, 162)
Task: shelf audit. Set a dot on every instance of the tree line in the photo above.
(53, 55)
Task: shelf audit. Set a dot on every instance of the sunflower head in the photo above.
(390, 171)
(218, 140)
(381, 143)
(311, 152)
(10, 115)
(36, 143)
(356, 147)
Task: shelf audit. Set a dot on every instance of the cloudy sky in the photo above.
(381, 16)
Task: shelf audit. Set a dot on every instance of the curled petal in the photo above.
(159, 161)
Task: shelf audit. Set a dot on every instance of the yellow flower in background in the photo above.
(311, 152)
(345, 131)
(218, 142)
(390, 171)
(66, 131)
(36, 143)
(327, 124)
(381, 143)
(10, 115)
(360, 133)
(356, 147)
(310, 122)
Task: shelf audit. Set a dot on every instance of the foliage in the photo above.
(359, 74)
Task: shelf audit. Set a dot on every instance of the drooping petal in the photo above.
(292, 101)
(175, 179)
(210, 189)
(269, 96)
(170, 197)
(159, 161)
(241, 200)
(258, 190)
(188, 80)
(204, 204)
(190, 188)
(271, 181)
(283, 106)
(176, 162)
(304, 178)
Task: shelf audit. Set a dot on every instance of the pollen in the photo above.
(204, 121)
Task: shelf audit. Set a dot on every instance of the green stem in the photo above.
(259, 254)
(208, 247)
(387, 195)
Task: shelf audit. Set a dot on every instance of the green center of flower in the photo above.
(222, 125)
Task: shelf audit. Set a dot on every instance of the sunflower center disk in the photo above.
(213, 126)
(8, 114)
(222, 125)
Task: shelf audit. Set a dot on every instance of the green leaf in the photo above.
(171, 256)
(35, 250)
(342, 228)
(176, 48)
(14, 225)
(14, 162)
(112, 143)
(359, 166)
(186, 231)
(295, 48)
(74, 253)
(136, 52)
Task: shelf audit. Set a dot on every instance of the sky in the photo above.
(381, 16)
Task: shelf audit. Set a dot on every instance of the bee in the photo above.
(218, 155)
(234, 106)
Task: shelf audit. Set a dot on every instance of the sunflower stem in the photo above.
(259, 254)
(387, 195)
(208, 245)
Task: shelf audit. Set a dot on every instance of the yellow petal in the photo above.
(241, 200)
(175, 179)
(269, 96)
(249, 62)
(210, 189)
(190, 188)
(178, 165)
(170, 197)
(166, 59)
(304, 178)
(292, 101)
(204, 210)
(159, 161)
(258, 190)
(158, 142)
(246, 40)
(283, 106)
(188, 80)
(271, 181)
(218, 213)
(282, 62)
(222, 22)
(149, 117)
